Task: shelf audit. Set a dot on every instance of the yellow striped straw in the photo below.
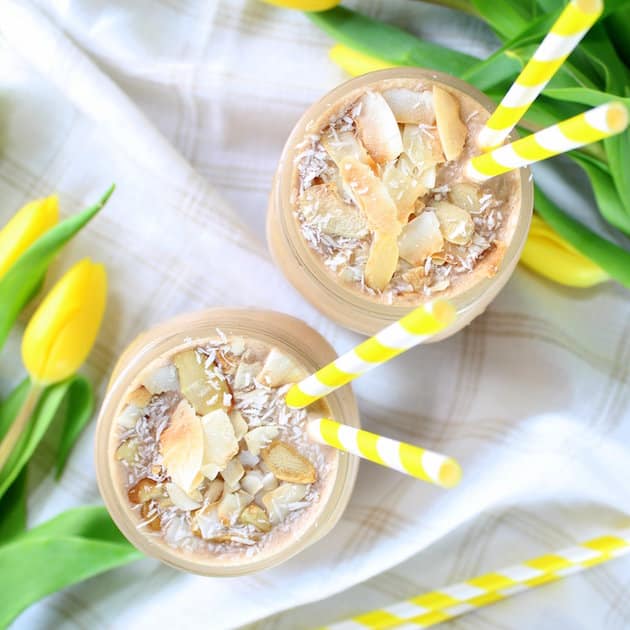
(564, 36)
(414, 328)
(595, 124)
(430, 609)
(406, 458)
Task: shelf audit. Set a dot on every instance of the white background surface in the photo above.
(186, 105)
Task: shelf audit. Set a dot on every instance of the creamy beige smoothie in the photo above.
(211, 460)
(381, 195)
(371, 211)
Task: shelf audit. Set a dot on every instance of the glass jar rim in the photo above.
(267, 326)
(307, 259)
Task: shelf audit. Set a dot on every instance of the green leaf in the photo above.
(585, 96)
(610, 257)
(13, 509)
(11, 405)
(86, 522)
(606, 195)
(617, 26)
(44, 413)
(388, 42)
(73, 547)
(79, 408)
(20, 281)
(506, 18)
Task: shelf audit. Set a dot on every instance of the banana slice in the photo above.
(456, 224)
(322, 206)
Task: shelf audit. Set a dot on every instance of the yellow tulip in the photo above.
(356, 63)
(25, 227)
(63, 329)
(549, 255)
(305, 5)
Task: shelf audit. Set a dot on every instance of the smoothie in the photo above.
(211, 461)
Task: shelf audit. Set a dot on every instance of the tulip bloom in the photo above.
(549, 255)
(63, 329)
(355, 62)
(305, 5)
(25, 227)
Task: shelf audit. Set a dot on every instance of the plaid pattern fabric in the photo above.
(186, 104)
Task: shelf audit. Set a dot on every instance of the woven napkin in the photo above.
(175, 100)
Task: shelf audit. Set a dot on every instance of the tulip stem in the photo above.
(19, 424)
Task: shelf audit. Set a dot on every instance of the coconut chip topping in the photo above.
(211, 457)
(381, 194)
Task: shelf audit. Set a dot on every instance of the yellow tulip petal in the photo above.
(63, 329)
(356, 63)
(25, 227)
(549, 255)
(305, 5)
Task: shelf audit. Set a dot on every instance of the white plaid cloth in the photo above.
(186, 104)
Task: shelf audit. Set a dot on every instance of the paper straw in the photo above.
(414, 328)
(573, 23)
(429, 609)
(597, 123)
(406, 458)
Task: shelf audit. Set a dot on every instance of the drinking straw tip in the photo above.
(617, 117)
(590, 6)
(450, 473)
(444, 312)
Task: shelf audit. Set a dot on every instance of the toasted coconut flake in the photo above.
(162, 379)
(420, 238)
(219, 439)
(232, 474)
(371, 196)
(422, 146)
(129, 416)
(282, 500)
(340, 146)
(455, 223)
(287, 464)
(213, 492)
(150, 517)
(246, 373)
(210, 471)
(180, 499)
(280, 369)
(140, 397)
(428, 176)
(466, 196)
(378, 128)
(256, 516)
(451, 129)
(181, 445)
(259, 437)
(207, 522)
(382, 261)
(269, 482)
(252, 482)
(247, 458)
(204, 387)
(322, 207)
(239, 425)
(415, 277)
(145, 490)
(404, 186)
(410, 106)
(231, 506)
